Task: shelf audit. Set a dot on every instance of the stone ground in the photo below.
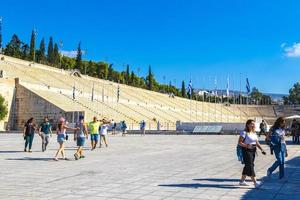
(134, 167)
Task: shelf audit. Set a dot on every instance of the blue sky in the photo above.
(180, 39)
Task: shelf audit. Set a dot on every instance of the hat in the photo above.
(81, 117)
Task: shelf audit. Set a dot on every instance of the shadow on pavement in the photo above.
(204, 185)
(12, 152)
(273, 188)
(31, 159)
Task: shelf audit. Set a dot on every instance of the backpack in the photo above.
(275, 139)
(239, 152)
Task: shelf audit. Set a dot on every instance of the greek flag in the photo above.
(227, 87)
(248, 86)
(216, 83)
(190, 88)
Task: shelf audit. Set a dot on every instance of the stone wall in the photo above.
(29, 104)
(7, 90)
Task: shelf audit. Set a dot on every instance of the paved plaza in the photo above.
(140, 167)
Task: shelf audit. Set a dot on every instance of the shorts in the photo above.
(95, 137)
(61, 138)
(80, 141)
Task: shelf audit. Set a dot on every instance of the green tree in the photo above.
(127, 75)
(3, 108)
(25, 52)
(41, 58)
(150, 79)
(56, 56)
(32, 46)
(110, 72)
(67, 63)
(183, 89)
(78, 57)
(294, 95)
(256, 95)
(13, 48)
(50, 53)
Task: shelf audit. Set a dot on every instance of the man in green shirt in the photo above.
(94, 130)
(45, 132)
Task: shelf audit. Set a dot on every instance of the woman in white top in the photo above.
(248, 140)
(103, 132)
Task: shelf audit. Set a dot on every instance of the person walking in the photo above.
(45, 133)
(94, 132)
(103, 132)
(263, 128)
(277, 141)
(113, 127)
(123, 128)
(28, 133)
(294, 129)
(143, 127)
(61, 138)
(79, 135)
(248, 140)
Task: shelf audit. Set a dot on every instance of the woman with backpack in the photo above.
(248, 140)
(277, 142)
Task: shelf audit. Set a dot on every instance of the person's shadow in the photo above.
(31, 159)
(216, 183)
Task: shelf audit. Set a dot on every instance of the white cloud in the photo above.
(71, 54)
(291, 51)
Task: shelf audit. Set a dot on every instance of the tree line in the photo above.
(103, 70)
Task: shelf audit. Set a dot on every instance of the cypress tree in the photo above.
(132, 78)
(55, 55)
(127, 75)
(78, 57)
(50, 54)
(110, 72)
(183, 90)
(149, 79)
(41, 53)
(32, 46)
(25, 52)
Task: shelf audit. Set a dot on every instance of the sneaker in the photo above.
(82, 157)
(66, 159)
(56, 159)
(269, 173)
(76, 156)
(243, 183)
(30, 151)
(25, 150)
(257, 184)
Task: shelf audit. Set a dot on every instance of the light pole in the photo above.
(34, 33)
(85, 53)
(1, 35)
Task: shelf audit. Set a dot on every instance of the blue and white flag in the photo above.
(248, 86)
(190, 88)
(216, 83)
(227, 87)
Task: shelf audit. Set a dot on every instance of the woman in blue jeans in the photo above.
(28, 133)
(276, 138)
